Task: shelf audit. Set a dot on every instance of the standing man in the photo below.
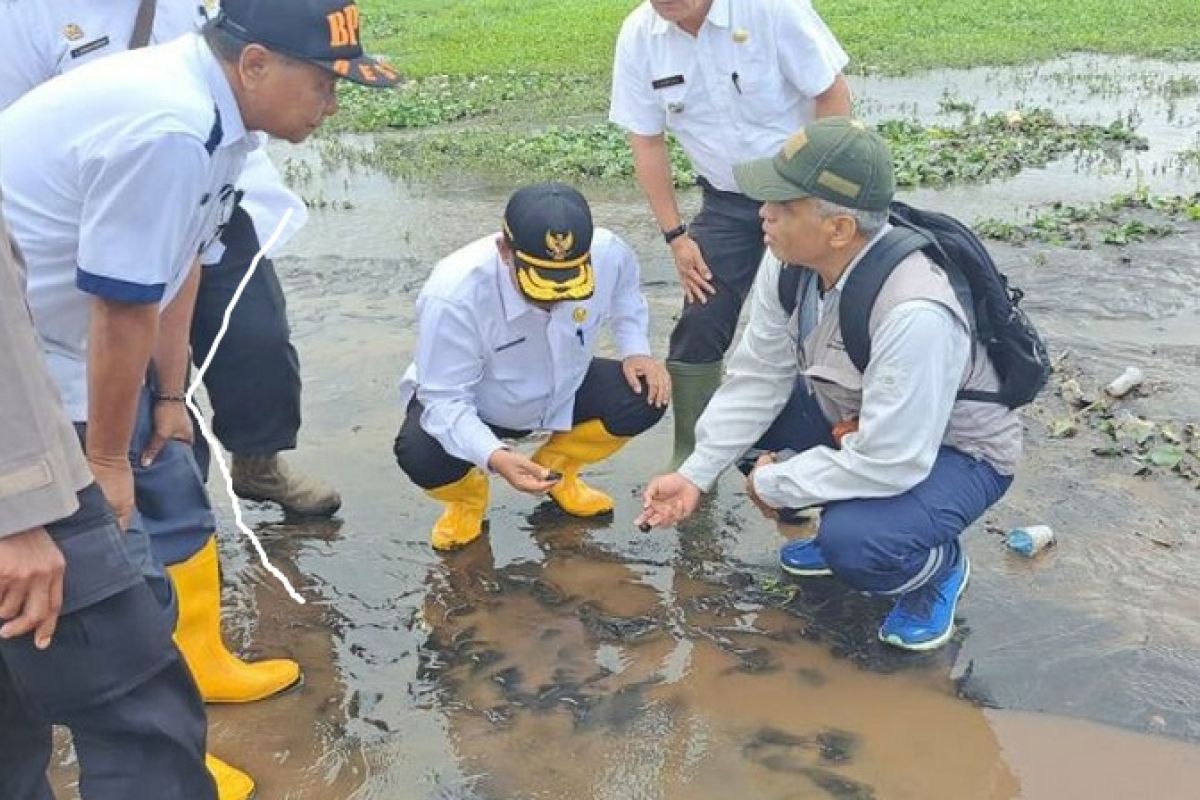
(114, 213)
(253, 382)
(902, 456)
(508, 326)
(731, 79)
(83, 640)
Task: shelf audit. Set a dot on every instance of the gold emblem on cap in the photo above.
(741, 36)
(73, 32)
(797, 142)
(559, 244)
(839, 184)
(579, 315)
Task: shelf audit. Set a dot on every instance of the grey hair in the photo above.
(868, 222)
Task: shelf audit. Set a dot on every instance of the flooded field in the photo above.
(561, 658)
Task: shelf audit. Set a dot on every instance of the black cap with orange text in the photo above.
(325, 32)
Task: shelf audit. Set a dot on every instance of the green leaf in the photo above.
(1063, 428)
(1166, 455)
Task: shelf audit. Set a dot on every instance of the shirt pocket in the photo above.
(760, 90)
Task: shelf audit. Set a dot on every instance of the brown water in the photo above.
(561, 658)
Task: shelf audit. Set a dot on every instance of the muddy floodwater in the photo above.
(560, 658)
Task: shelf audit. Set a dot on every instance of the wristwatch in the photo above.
(675, 233)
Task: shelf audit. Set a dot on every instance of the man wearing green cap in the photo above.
(897, 460)
(508, 328)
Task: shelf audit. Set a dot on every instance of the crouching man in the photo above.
(507, 330)
(899, 456)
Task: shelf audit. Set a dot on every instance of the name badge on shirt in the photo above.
(90, 47)
(666, 83)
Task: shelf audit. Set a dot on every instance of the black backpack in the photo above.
(1013, 344)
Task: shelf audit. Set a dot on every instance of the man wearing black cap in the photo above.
(901, 457)
(507, 330)
(253, 381)
(113, 214)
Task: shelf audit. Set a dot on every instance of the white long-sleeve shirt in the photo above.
(918, 355)
(486, 355)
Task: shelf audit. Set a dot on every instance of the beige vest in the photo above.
(984, 430)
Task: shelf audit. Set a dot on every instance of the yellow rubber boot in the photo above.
(221, 676)
(586, 443)
(232, 783)
(466, 504)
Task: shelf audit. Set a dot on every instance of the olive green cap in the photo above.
(836, 159)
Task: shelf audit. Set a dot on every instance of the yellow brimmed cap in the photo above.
(549, 228)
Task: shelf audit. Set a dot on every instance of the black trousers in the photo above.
(112, 676)
(729, 233)
(604, 395)
(254, 380)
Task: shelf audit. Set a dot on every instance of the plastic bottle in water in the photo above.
(1030, 540)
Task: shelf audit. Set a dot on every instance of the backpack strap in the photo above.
(864, 284)
(789, 287)
(143, 24)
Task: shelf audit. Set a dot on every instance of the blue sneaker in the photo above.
(802, 557)
(924, 619)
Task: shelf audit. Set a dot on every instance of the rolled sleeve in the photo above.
(918, 356)
(634, 106)
(138, 207)
(450, 364)
(812, 57)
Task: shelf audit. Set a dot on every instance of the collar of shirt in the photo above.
(233, 129)
(514, 302)
(718, 14)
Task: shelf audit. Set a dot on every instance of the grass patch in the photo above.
(466, 58)
(982, 148)
(1125, 219)
(576, 37)
(440, 99)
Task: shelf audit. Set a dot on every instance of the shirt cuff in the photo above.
(482, 449)
(770, 487)
(634, 344)
(699, 472)
(636, 127)
(118, 290)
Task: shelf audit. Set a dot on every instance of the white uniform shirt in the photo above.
(40, 39)
(918, 355)
(485, 354)
(115, 178)
(734, 92)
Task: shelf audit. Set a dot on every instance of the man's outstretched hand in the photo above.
(668, 499)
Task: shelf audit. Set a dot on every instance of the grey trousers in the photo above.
(729, 234)
(112, 676)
